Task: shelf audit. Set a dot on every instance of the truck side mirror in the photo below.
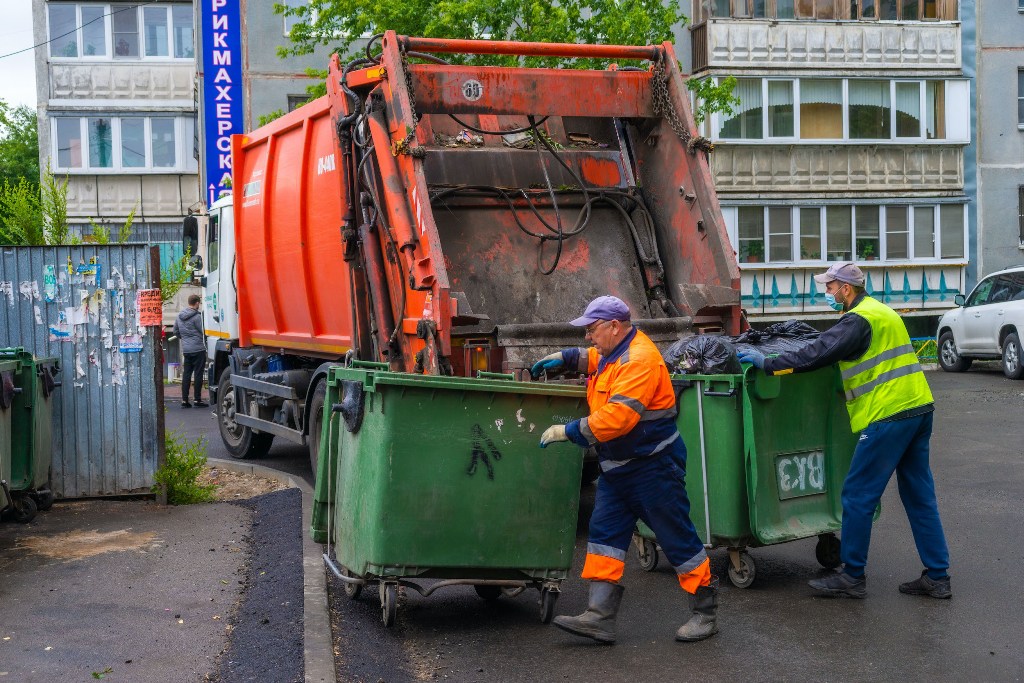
(190, 235)
(959, 299)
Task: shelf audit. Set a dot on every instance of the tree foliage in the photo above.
(19, 145)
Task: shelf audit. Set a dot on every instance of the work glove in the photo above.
(752, 356)
(552, 434)
(551, 363)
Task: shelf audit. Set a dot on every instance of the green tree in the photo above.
(339, 25)
(19, 144)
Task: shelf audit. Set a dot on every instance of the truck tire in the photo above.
(949, 356)
(240, 442)
(315, 419)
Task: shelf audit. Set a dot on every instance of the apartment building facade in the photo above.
(1000, 134)
(116, 112)
(848, 144)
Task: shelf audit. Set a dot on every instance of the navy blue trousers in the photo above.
(900, 446)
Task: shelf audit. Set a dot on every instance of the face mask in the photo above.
(830, 299)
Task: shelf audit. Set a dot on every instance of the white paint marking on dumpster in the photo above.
(519, 416)
(532, 427)
(499, 424)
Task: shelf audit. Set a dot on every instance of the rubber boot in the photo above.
(598, 622)
(704, 622)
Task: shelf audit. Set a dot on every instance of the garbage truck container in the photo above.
(442, 478)
(32, 428)
(766, 460)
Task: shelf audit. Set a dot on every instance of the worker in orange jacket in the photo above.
(643, 468)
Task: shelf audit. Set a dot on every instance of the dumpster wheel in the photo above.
(646, 553)
(743, 575)
(24, 509)
(388, 603)
(352, 590)
(827, 551)
(548, 598)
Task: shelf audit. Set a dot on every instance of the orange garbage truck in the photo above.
(448, 219)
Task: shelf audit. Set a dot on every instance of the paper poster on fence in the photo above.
(130, 343)
(150, 308)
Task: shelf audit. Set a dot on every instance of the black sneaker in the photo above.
(925, 585)
(186, 404)
(200, 403)
(841, 585)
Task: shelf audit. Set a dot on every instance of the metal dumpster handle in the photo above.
(369, 365)
(510, 376)
(726, 394)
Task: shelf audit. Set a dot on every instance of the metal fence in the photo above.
(78, 304)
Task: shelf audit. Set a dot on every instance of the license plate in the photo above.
(800, 474)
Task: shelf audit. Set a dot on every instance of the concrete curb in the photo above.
(318, 644)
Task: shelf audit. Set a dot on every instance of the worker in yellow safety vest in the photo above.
(889, 403)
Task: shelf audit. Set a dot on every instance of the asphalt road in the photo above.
(774, 630)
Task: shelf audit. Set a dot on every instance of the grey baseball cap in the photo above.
(603, 308)
(843, 272)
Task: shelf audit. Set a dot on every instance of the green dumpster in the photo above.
(8, 369)
(441, 478)
(766, 460)
(31, 429)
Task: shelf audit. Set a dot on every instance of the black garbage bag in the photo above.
(706, 355)
(791, 335)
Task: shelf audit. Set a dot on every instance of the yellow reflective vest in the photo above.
(887, 379)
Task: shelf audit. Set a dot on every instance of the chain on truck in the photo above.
(445, 219)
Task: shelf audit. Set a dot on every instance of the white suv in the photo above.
(989, 324)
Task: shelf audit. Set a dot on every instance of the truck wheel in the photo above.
(315, 413)
(949, 357)
(1013, 360)
(241, 442)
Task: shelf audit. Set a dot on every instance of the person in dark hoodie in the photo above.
(189, 328)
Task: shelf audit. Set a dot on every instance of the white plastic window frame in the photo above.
(952, 107)
(181, 153)
(109, 35)
(731, 216)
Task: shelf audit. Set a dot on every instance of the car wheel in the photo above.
(949, 357)
(1013, 359)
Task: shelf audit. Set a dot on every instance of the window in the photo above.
(1020, 97)
(866, 230)
(291, 20)
(853, 109)
(810, 234)
(63, 36)
(780, 109)
(897, 232)
(750, 220)
(1020, 209)
(780, 233)
(115, 143)
(951, 230)
(908, 109)
(184, 39)
(212, 243)
(885, 10)
(1006, 288)
(133, 143)
(821, 109)
(296, 101)
(121, 31)
(836, 232)
(69, 143)
(924, 232)
(154, 22)
(839, 232)
(979, 297)
(101, 153)
(746, 120)
(869, 110)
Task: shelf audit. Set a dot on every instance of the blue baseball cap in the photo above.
(603, 308)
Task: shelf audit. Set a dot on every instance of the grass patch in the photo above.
(180, 472)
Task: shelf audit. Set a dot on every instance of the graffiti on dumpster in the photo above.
(484, 451)
(800, 474)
